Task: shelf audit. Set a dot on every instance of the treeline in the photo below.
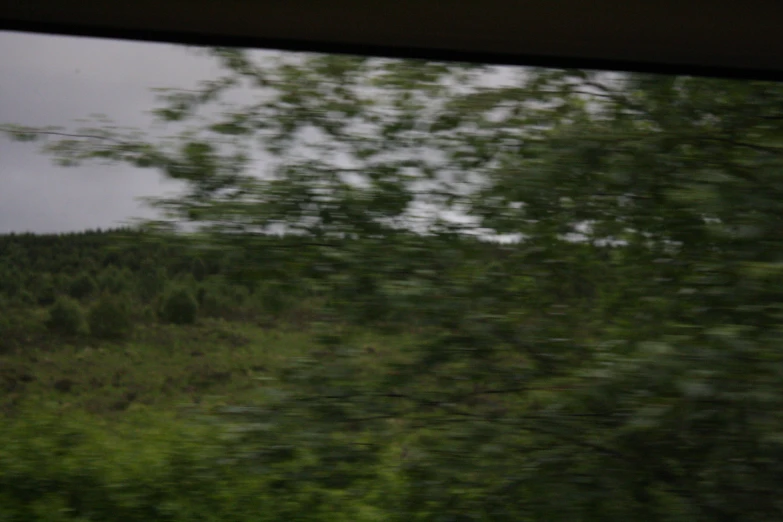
(102, 283)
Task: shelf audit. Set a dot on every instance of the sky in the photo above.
(53, 80)
(57, 80)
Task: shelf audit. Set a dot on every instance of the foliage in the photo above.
(598, 330)
(152, 281)
(179, 307)
(61, 469)
(66, 317)
(83, 286)
(44, 290)
(109, 318)
(114, 281)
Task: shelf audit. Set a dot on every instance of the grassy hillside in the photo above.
(162, 367)
(97, 428)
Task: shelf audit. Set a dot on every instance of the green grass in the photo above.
(162, 368)
(112, 425)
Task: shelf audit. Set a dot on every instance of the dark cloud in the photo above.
(47, 80)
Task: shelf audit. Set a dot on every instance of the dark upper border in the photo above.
(699, 37)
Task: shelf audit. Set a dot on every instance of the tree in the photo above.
(618, 362)
(66, 317)
(82, 286)
(179, 307)
(110, 318)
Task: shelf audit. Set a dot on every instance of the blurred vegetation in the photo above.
(451, 292)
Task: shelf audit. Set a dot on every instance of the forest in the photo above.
(414, 291)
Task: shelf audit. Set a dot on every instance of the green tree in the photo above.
(151, 280)
(114, 280)
(66, 317)
(179, 307)
(110, 318)
(43, 289)
(83, 286)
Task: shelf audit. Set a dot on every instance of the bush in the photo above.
(110, 318)
(82, 287)
(25, 298)
(199, 270)
(46, 294)
(179, 307)
(57, 468)
(114, 281)
(10, 282)
(215, 304)
(66, 317)
(151, 281)
(275, 298)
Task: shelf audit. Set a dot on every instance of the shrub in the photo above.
(60, 468)
(45, 294)
(82, 287)
(25, 297)
(179, 307)
(199, 270)
(275, 298)
(216, 304)
(114, 281)
(66, 317)
(151, 281)
(10, 282)
(110, 318)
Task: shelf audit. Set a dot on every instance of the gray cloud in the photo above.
(49, 80)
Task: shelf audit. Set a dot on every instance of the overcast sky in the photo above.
(48, 80)
(56, 80)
